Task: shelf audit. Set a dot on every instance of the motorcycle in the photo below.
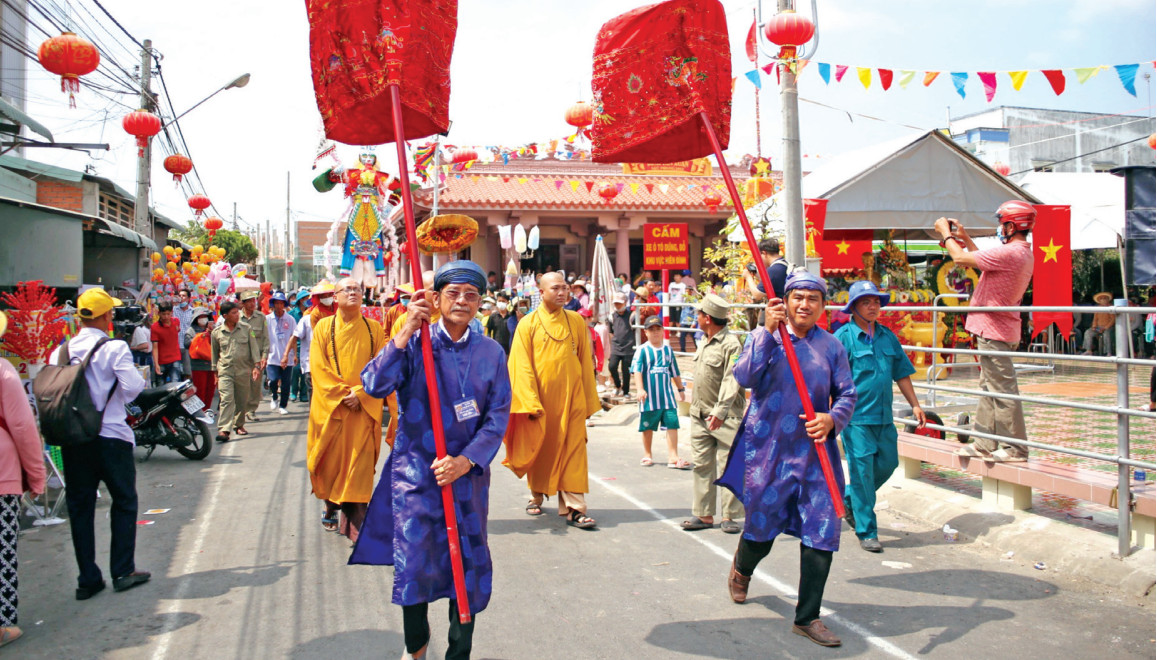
(172, 416)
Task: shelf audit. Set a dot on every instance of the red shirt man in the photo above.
(165, 335)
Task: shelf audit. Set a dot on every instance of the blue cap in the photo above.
(805, 280)
(278, 295)
(861, 289)
(460, 272)
(301, 295)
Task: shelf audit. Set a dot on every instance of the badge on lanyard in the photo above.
(466, 409)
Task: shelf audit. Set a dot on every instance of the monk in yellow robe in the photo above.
(345, 423)
(554, 394)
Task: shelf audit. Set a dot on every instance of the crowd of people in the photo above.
(523, 371)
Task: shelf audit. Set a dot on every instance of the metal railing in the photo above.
(1121, 363)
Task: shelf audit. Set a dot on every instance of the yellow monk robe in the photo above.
(551, 372)
(343, 445)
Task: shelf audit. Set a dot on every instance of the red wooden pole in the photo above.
(785, 337)
(428, 363)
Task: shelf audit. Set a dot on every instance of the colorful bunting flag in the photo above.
(929, 76)
(1018, 78)
(988, 79)
(885, 78)
(634, 188)
(841, 69)
(1085, 73)
(589, 185)
(753, 76)
(906, 77)
(825, 70)
(865, 76)
(574, 185)
(650, 188)
(1128, 75)
(958, 79)
(1056, 78)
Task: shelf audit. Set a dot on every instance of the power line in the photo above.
(118, 24)
(1087, 153)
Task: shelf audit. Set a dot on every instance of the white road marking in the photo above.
(881, 644)
(204, 520)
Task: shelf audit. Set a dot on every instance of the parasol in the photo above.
(602, 283)
(681, 46)
(245, 283)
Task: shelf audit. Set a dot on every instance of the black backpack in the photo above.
(68, 417)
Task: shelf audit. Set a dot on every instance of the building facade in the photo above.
(1036, 139)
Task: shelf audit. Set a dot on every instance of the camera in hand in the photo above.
(126, 319)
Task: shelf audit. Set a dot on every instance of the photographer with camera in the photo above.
(1005, 271)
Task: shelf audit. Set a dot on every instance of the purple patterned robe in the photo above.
(773, 467)
(405, 526)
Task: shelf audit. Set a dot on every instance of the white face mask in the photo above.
(202, 321)
(500, 306)
(328, 300)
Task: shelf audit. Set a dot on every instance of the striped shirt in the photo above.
(658, 367)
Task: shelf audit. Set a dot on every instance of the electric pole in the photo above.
(792, 167)
(145, 160)
(288, 220)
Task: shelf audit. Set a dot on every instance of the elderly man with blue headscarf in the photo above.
(405, 526)
(774, 468)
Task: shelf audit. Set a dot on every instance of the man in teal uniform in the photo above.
(870, 438)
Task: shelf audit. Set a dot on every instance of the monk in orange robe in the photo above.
(345, 423)
(554, 394)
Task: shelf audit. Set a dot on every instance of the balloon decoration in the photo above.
(143, 125)
(212, 224)
(789, 30)
(712, 200)
(1002, 168)
(69, 57)
(199, 203)
(178, 165)
(608, 191)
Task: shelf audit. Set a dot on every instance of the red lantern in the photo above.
(1153, 140)
(69, 57)
(608, 191)
(580, 115)
(178, 165)
(212, 224)
(789, 30)
(199, 203)
(1002, 169)
(464, 155)
(712, 200)
(144, 125)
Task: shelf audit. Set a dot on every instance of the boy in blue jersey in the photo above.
(877, 361)
(655, 369)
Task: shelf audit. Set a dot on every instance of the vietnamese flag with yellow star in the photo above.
(1052, 268)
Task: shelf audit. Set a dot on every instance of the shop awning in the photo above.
(120, 231)
(13, 114)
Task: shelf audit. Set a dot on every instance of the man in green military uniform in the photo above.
(877, 360)
(235, 358)
(255, 321)
(717, 403)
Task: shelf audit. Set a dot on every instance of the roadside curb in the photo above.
(1062, 548)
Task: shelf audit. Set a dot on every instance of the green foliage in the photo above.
(1095, 271)
(238, 248)
(725, 261)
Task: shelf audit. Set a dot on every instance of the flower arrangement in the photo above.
(35, 324)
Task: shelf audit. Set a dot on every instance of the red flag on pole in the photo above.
(656, 68)
(1052, 268)
(752, 43)
(358, 49)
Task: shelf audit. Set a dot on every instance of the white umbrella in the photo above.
(244, 283)
(602, 282)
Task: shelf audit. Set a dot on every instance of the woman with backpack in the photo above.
(197, 337)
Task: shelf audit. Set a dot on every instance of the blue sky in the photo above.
(518, 65)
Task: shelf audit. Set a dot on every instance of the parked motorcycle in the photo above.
(172, 416)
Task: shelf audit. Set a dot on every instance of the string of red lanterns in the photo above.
(199, 203)
(69, 57)
(789, 30)
(178, 165)
(144, 125)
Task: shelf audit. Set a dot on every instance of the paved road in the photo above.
(243, 570)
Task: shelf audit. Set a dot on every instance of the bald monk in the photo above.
(554, 394)
(345, 423)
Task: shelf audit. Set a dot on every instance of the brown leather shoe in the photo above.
(817, 632)
(737, 585)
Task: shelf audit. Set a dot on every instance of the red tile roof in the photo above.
(563, 185)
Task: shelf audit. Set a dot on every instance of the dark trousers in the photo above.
(111, 461)
(813, 574)
(279, 378)
(416, 628)
(170, 373)
(299, 384)
(620, 368)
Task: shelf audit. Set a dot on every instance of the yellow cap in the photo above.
(324, 286)
(95, 303)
